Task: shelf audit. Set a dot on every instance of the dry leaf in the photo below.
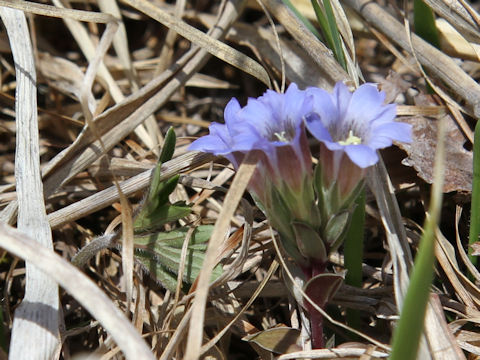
(421, 153)
(280, 340)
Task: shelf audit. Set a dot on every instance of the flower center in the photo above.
(282, 137)
(351, 140)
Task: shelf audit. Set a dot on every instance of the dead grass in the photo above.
(112, 77)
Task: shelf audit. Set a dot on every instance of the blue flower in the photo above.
(272, 126)
(357, 124)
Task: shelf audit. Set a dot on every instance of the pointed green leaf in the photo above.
(159, 193)
(328, 24)
(168, 146)
(166, 188)
(352, 197)
(336, 228)
(336, 38)
(309, 242)
(166, 213)
(155, 183)
(424, 23)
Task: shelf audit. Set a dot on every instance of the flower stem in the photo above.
(316, 326)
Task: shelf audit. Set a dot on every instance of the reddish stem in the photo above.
(316, 326)
(316, 319)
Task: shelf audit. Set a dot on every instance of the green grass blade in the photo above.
(298, 14)
(406, 338)
(475, 207)
(328, 24)
(336, 38)
(424, 22)
(425, 27)
(323, 21)
(353, 255)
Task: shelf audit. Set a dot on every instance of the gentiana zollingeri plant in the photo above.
(309, 207)
(159, 252)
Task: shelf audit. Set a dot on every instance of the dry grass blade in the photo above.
(213, 46)
(120, 44)
(381, 186)
(167, 49)
(92, 53)
(212, 342)
(335, 354)
(463, 255)
(232, 199)
(468, 292)
(442, 343)
(108, 196)
(127, 247)
(436, 61)
(52, 11)
(81, 288)
(120, 41)
(327, 65)
(131, 113)
(458, 17)
(35, 329)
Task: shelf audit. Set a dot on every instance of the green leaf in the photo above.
(408, 332)
(328, 23)
(309, 242)
(279, 340)
(160, 255)
(424, 22)
(160, 191)
(353, 255)
(157, 271)
(165, 188)
(337, 228)
(148, 221)
(425, 27)
(318, 185)
(475, 206)
(168, 146)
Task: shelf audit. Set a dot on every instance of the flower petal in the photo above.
(218, 142)
(323, 106)
(366, 104)
(341, 98)
(317, 127)
(396, 130)
(361, 155)
(296, 105)
(387, 113)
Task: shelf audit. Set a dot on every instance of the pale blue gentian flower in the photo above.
(310, 210)
(351, 127)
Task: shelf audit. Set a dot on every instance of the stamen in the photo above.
(351, 140)
(281, 136)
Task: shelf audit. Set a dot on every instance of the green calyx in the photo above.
(309, 242)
